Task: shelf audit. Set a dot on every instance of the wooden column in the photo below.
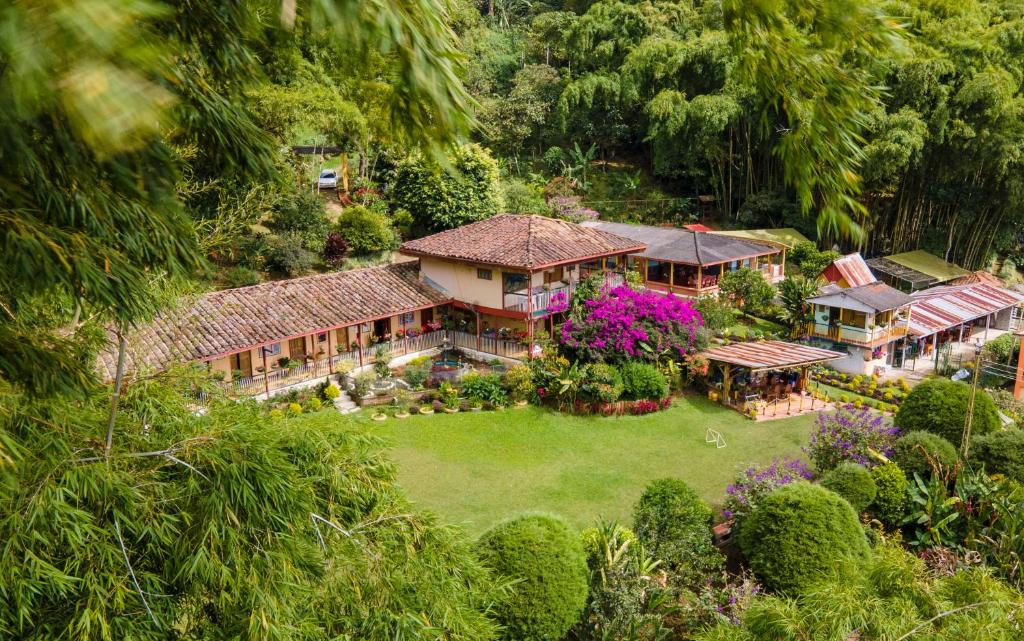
(266, 372)
(700, 277)
(529, 315)
(478, 340)
(726, 381)
(359, 342)
(330, 353)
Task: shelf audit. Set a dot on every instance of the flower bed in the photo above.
(622, 408)
(888, 392)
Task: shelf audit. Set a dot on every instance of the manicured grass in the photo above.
(479, 468)
(744, 325)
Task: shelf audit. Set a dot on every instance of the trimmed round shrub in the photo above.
(643, 381)
(939, 406)
(799, 534)
(852, 482)
(890, 493)
(1001, 452)
(674, 524)
(908, 454)
(546, 559)
(366, 231)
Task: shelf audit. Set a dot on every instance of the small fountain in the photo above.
(449, 367)
(445, 361)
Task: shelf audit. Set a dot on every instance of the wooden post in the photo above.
(700, 278)
(359, 342)
(344, 171)
(478, 340)
(529, 315)
(1018, 384)
(726, 382)
(266, 371)
(330, 353)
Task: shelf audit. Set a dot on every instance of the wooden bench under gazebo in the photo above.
(769, 377)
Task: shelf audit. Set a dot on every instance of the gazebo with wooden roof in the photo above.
(765, 357)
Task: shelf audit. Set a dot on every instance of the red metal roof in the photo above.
(770, 355)
(853, 270)
(946, 306)
(697, 227)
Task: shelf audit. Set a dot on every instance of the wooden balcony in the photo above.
(520, 301)
(860, 336)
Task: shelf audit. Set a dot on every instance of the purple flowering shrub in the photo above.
(754, 483)
(624, 324)
(850, 434)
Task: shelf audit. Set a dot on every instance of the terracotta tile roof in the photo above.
(686, 246)
(520, 242)
(770, 355)
(946, 306)
(232, 320)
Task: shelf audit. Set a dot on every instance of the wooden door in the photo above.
(242, 362)
(297, 348)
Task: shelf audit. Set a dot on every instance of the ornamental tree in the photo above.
(623, 324)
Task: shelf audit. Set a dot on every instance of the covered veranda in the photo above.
(768, 378)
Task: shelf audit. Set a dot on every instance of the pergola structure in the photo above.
(765, 356)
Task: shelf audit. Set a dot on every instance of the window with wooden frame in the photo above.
(484, 274)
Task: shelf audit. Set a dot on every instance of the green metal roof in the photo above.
(929, 264)
(786, 237)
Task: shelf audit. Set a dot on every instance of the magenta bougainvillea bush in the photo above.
(624, 324)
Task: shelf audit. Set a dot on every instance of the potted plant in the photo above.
(475, 404)
(401, 403)
(378, 415)
(437, 406)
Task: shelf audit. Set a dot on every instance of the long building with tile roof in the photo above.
(218, 324)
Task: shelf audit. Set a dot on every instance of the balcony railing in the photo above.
(520, 301)
(286, 377)
(858, 335)
(488, 344)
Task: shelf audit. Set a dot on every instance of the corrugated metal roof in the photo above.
(784, 237)
(942, 307)
(854, 270)
(770, 355)
(685, 246)
(875, 297)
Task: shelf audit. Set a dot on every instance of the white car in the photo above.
(328, 179)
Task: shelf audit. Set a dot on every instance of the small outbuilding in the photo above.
(767, 376)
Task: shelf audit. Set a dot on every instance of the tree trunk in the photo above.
(122, 344)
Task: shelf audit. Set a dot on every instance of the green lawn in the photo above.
(478, 468)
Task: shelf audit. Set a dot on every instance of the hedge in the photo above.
(907, 453)
(939, 406)
(798, 534)
(546, 559)
(852, 482)
(674, 524)
(1001, 452)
